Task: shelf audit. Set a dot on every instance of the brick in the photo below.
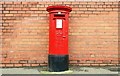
(18, 8)
(100, 3)
(108, 9)
(85, 64)
(67, 2)
(58, 3)
(13, 11)
(91, 9)
(8, 8)
(2, 65)
(75, 9)
(108, 3)
(17, 2)
(75, 2)
(76, 15)
(88, 12)
(1, 2)
(116, 3)
(100, 9)
(42, 9)
(21, 11)
(23, 61)
(95, 64)
(115, 9)
(82, 9)
(43, 64)
(9, 65)
(14, 61)
(92, 3)
(114, 62)
(8, 14)
(34, 3)
(34, 14)
(18, 14)
(26, 65)
(25, 2)
(83, 3)
(73, 62)
(18, 65)
(103, 64)
(84, 15)
(8, 3)
(26, 15)
(52, 3)
(110, 64)
(25, 8)
(32, 61)
(1, 8)
(34, 64)
(34, 9)
(42, 14)
(5, 11)
(42, 2)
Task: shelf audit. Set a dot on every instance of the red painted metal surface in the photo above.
(58, 37)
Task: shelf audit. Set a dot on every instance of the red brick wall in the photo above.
(93, 33)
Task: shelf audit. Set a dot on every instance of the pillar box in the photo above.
(58, 58)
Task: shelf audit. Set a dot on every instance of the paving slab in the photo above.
(75, 70)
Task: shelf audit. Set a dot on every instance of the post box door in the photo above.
(60, 43)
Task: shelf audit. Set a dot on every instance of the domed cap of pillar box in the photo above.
(59, 7)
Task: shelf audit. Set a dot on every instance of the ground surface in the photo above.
(75, 69)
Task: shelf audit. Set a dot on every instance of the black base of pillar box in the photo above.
(57, 63)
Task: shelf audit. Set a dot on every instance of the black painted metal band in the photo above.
(57, 63)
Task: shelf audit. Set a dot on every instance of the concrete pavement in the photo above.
(75, 69)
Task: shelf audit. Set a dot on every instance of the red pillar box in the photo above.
(58, 38)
